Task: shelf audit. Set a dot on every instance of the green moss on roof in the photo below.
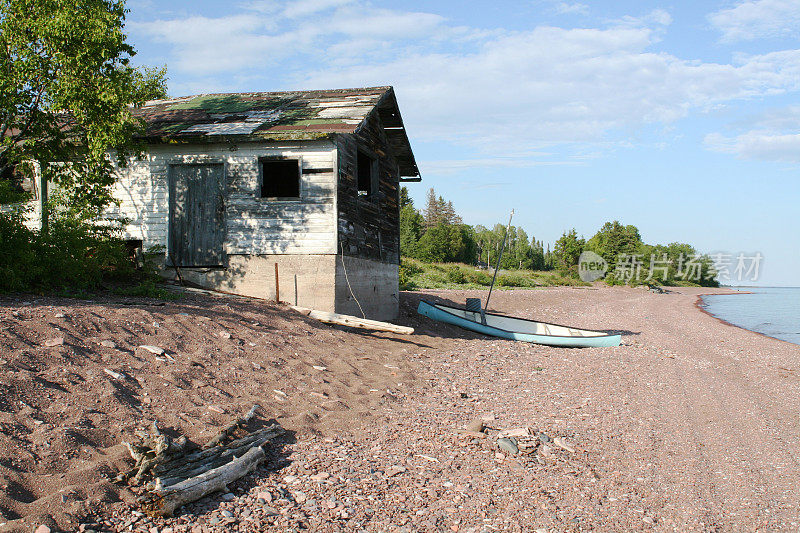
(230, 103)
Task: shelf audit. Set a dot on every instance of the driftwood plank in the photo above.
(254, 439)
(353, 321)
(164, 501)
(184, 468)
(178, 476)
(227, 430)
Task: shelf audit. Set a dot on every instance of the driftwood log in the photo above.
(164, 501)
(172, 475)
(353, 321)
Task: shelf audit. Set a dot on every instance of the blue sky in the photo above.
(680, 118)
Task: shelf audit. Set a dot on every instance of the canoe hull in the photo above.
(442, 314)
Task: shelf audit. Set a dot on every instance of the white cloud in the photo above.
(656, 17)
(571, 8)
(300, 8)
(270, 33)
(498, 92)
(771, 136)
(202, 45)
(760, 145)
(452, 166)
(263, 6)
(756, 19)
(385, 24)
(553, 85)
(779, 119)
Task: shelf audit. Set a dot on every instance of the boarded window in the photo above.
(280, 178)
(366, 174)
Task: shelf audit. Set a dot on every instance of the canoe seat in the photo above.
(474, 305)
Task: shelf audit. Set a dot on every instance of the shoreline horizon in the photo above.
(701, 304)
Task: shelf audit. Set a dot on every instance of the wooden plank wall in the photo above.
(369, 228)
(253, 225)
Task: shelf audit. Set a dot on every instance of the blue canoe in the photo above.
(518, 329)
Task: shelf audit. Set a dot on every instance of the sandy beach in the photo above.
(690, 425)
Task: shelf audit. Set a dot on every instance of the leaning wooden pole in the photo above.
(496, 268)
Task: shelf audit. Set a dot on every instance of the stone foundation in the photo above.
(374, 284)
(314, 281)
(304, 280)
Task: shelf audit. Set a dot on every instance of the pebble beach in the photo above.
(690, 424)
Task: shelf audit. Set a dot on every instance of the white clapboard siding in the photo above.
(254, 225)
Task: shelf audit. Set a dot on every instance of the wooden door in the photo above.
(196, 215)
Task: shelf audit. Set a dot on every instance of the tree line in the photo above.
(437, 234)
(630, 260)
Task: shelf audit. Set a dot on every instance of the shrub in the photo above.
(18, 261)
(512, 279)
(11, 194)
(569, 272)
(479, 277)
(455, 275)
(71, 256)
(407, 270)
(147, 289)
(411, 267)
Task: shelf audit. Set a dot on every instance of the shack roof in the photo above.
(290, 115)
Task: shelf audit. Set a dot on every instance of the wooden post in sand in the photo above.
(277, 287)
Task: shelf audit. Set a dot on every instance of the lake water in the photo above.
(773, 311)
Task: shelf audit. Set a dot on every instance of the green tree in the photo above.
(678, 254)
(411, 226)
(468, 250)
(449, 214)
(680, 257)
(485, 244)
(434, 245)
(521, 251)
(66, 86)
(567, 251)
(549, 261)
(433, 209)
(614, 239)
(405, 199)
(537, 255)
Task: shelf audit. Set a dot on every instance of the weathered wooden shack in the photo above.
(232, 185)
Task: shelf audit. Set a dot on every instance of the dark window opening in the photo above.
(7, 171)
(15, 185)
(280, 178)
(133, 248)
(366, 174)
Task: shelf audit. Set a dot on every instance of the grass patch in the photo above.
(415, 274)
(147, 289)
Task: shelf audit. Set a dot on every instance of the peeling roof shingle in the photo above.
(287, 115)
